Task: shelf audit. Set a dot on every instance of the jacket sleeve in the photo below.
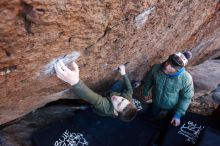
(185, 97)
(100, 103)
(128, 87)
(148, 81)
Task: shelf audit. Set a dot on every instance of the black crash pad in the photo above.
(210, 137)
(189, 133)
(88, 128)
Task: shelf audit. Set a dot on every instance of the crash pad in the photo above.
(210, 137)
(188, 133)
(87, 128)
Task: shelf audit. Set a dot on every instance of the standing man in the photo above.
(118, 104)
(172, 87)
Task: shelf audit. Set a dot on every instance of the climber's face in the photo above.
(119, 103)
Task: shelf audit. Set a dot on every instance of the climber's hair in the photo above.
(128, 113)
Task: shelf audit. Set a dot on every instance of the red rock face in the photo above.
(33, 34)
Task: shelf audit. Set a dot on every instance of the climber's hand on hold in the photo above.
(121, 69)
(65, 74)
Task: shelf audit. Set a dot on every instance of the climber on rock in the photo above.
(118, 104)
(172, 87)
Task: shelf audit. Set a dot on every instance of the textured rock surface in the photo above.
(205, 77)
(106, 33)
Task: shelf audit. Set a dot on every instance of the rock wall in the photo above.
(100, 34)
(206, 77)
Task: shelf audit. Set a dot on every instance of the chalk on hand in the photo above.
(67, 60)
(117, 68)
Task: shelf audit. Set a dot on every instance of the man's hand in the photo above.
(67, 75)
(122, 69)
(175, 121)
